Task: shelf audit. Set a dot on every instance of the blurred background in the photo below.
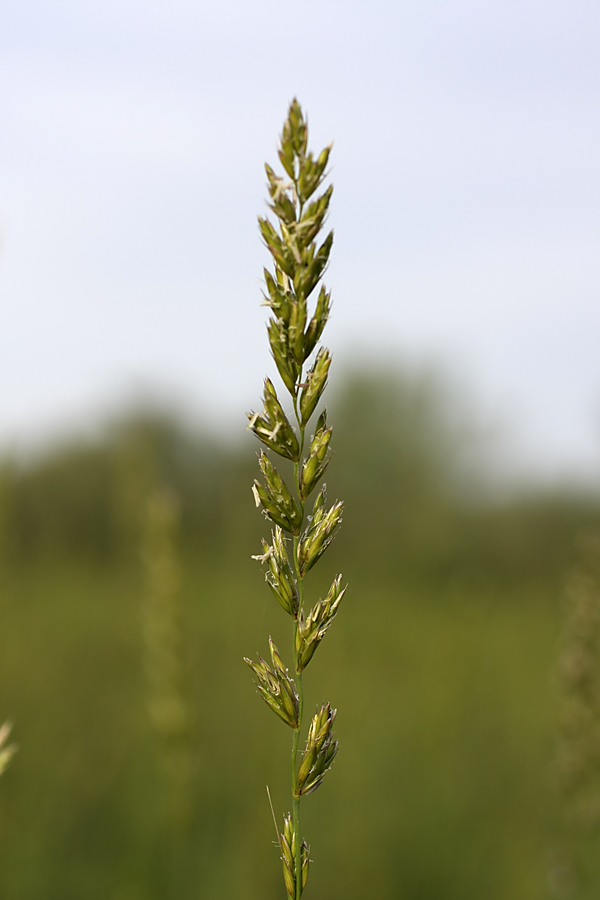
(465, 400)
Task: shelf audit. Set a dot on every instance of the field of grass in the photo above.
(446, 724)
(442, 665)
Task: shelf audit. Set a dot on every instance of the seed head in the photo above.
(311, 630)
(6, 751)
(287, 842)
(319, 753)
(276, 687)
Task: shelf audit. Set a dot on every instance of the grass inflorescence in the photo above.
(299, 537)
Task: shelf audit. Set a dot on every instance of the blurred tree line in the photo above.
(415, 510)
(441, 664)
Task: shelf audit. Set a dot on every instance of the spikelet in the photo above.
(7, 751)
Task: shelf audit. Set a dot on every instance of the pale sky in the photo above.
(466, 205)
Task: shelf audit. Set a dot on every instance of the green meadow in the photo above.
(442, 665)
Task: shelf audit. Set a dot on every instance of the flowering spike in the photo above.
(300, 255)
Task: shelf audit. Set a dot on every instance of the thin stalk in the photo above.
(296, 800)
(296, 734)
(295, 738)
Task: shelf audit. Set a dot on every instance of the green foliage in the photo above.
(440, 789)
(410, 522)
(441, 668)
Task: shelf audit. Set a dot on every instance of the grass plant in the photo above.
(162, 638)
(298, 539)
(167, 697)
(7, 751)
(575, 872)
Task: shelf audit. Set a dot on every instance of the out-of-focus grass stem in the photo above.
(578, 754)
(162, 640)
